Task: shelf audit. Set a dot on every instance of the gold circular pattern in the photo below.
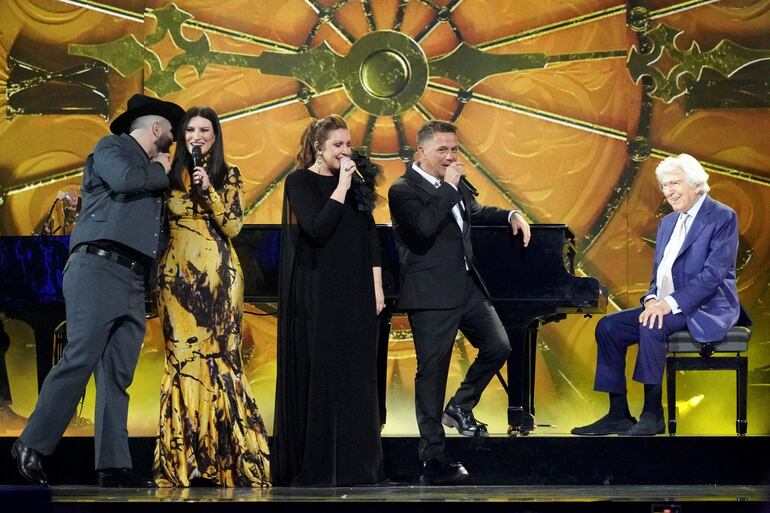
(385, 73)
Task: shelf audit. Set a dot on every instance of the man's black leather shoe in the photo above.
(29, 463)
(606, 426)
(121, 478)
(442, 471)
(649, 425)
(463, 420)
(707, 350)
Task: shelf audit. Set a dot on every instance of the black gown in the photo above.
(327, 427)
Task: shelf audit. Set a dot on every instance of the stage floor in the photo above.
(522, 474)
(518, 494)
(614, 498)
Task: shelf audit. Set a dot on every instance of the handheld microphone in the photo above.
(356, 173)
(469, 186)
(197, 158)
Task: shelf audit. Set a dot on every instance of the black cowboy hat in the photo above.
(141, 105)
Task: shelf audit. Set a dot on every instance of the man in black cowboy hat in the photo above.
(112, 247)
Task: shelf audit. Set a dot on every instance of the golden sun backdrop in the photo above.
(564, 109)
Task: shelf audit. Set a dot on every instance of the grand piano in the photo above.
(30, 289)
(529, 287)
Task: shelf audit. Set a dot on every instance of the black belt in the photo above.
(133, 265)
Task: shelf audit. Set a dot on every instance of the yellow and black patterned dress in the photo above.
(210, 426)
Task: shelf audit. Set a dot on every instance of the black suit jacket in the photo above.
(432, 249)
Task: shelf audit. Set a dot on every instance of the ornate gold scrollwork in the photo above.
(726, 58)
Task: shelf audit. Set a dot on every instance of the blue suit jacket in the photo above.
(704, 271)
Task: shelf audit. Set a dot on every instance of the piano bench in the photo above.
(735, 342)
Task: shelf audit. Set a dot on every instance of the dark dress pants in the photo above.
(105, 329)
(617, 331)
(434, 333)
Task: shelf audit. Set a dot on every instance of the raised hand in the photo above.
(164, 161)
(200, 177)
(454, 172)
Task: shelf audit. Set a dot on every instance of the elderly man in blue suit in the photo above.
(692, 287)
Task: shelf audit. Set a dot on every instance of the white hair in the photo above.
(687, 164)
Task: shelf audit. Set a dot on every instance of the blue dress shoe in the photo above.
(606, 426)
(649, 425)
(442, 471)
(121, 478)
(29, 463)
(463, 420)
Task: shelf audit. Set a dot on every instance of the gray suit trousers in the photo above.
(105, 330)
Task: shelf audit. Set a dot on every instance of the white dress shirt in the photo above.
(436, 182)
(666, 265)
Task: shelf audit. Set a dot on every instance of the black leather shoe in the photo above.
(28, 460)
(442, 471)
(463, 420)
(707, 350)
(606, 426)
(121, 478)
(649, 425)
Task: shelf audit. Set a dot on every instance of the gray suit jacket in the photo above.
(123, 194)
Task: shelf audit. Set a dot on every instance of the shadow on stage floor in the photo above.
(682, 474)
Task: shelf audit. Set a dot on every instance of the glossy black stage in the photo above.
(530, 499)
(512, 474)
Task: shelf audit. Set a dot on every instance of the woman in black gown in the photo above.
(327, 427)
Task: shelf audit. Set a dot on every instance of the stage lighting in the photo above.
(685, 407)
(667, 508)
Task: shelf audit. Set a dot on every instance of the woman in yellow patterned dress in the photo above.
(210, 428)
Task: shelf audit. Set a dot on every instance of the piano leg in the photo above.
(43, 351)
(44, 324)
(521, 378)
(383, 336)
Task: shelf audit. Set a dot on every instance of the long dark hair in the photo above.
(215, 161)
(316, 132)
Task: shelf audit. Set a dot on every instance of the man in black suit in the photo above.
(112, 248)
(432, 210)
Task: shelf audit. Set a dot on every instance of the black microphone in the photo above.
(197, 158)
(469, 186)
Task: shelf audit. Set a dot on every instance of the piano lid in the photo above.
(32, 266)
(542, 272)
